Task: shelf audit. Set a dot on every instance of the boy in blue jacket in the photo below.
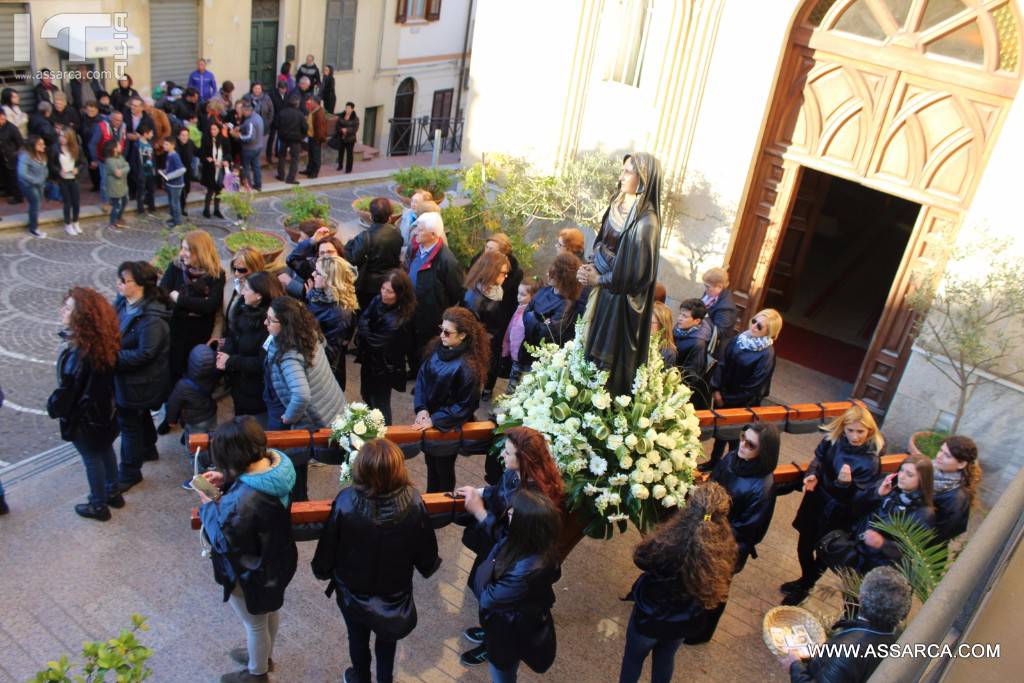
(174, 182)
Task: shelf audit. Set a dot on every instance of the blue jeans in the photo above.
(638, 646)
(359, 650)
(117, 205)
(138, 439)
(100, 470)
(251, 162)
(503, 675)
(33, 196)
(174, 203)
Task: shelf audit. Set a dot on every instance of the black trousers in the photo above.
(375, 392)
(440, 473)
(313, 162)
(359, 649)
(10, 181)
(138, 440)
(346, 155)
(144, 192)
(292, 150)
(271, 140)
(72, 200)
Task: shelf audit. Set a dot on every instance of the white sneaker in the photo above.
(70, 229)
(78, 228)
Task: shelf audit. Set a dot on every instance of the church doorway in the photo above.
(833, 271)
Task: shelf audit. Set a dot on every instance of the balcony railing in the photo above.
(410, 136)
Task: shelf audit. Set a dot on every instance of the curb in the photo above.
(56, 216)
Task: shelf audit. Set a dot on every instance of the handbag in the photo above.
(836, 549)
(334, 142)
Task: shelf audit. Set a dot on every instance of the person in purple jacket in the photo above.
(203, 81)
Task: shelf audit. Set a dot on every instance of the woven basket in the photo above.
(787, 617)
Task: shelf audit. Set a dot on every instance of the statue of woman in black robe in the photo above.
(623, 274)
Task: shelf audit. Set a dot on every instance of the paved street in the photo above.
(34, 275)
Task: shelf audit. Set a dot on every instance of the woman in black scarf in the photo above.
(623, 273)
(123, 94)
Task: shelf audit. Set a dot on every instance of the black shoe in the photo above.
(206, 213)
(93, 511)
(184, 212)
(478, 655)
(243, 676)
(116, 501)
(280, 177)
(474, 634)
(3, 506)
(303, 172)
(163, 428)
(793, 586)
(218, 214)
(796, 597)
(349, 676)
(126, 484)
(241, 655)
(292, 182)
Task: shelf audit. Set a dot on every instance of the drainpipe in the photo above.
(462, 62)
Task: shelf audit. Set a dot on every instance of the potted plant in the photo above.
(362, 207)
(169, 248)
(267, 243)
(241, 204)
(434, 180)
(124, 655)
(970, 322)
(306, 212)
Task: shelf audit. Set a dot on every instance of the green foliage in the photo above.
(304, 205)
(969, 326)
(363, 204)
(261, 241)
(124, 656)
(924, 560)
(930, 442)
(171, 245)
(239, 202)
(436, 180)
(468, 225)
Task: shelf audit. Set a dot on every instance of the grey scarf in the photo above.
(947, 481)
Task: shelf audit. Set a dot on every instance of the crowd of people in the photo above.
(130, 147)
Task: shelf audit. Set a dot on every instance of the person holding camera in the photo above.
(302, 260)
(247, 520)
(378, 532)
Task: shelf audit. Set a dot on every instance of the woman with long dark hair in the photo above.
(528, 466)
(552, 313)
(448, 387)
(299, 390)
(69, 163)
(195, 283)
(957, 477)
(241, 355)
(330, 98)
(747, 474)
(214, 156)
(513, 585)
(249, 529)
(84, 398)
(839, 486)
(378, 532)
(383, 339)
(687, 566)
(33, 170)
(484, 296)
(142, 377)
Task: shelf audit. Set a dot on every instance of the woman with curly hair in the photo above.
(484, 296)
(299, 389)
(688, 565)
(332, 301)
(195, 283)
(957, 477)
(553, 312)
(384, 339)
(528, 466)
(448, 387)
(84, 398)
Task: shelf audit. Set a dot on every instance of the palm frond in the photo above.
(924, 560)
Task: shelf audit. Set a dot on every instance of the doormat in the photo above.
(816, 351)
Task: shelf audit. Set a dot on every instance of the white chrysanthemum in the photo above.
(640, 492)
(659, 491)
(598, 465)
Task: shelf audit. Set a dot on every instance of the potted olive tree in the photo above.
(437, 181)
(306, 213)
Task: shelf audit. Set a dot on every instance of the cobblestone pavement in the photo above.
(34, 275)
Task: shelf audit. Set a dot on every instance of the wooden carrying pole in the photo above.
(314, 511)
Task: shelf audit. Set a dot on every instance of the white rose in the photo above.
(666, 466)
(665, 441)
(626, 462)
(643, 464)
(643, 423)
(671, 480)
(359, 427)
(631, 441)
(659, 491)
(601, 400)
(614, 441)
(623, 400)
(654, 457)
(640, 492)
(571, 391)
(648, 476)
(669, 501)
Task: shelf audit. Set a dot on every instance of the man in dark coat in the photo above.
(41, 124)
(11, 143)
(45, 89)
(625, 269)
(375, 251)
(437, 279)
(347, 127)
(291, 127)
(278, 100)
(135, 119)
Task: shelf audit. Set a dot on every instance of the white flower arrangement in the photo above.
(626, 458)
(350, 430)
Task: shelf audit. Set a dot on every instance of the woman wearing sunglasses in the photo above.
(448, 387)
(244, 263)
(744, 377)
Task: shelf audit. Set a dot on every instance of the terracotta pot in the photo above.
(365, 215)
(912, 445)
(306, 228)
(269, 255)
(406, 201)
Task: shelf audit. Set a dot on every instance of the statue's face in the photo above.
(629, 179)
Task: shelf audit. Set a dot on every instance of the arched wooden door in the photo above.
(401, 124)
(903, 96)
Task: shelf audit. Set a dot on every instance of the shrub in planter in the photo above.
(267, 243)
(241, 204)
(305, 213)
(171, 245)
(362, 207)
(926, 442)
(434, 180)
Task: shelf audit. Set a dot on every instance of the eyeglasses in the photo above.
(757, 325)
(240, 271)
(444, 332)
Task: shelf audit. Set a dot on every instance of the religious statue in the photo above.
(623, 273)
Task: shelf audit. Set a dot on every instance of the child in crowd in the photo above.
(516, 332)
(191, 401)
(174, 182)
(116, 183)
(144, 194)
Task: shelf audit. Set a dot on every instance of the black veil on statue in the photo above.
(620, 318)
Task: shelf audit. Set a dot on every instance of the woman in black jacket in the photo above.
(327, 89)
(214, 157)
(186, 152)
(957, 477)
(721, 308)
(747, 475)
(123, 94)
(484, 296)
(84, 398)
(332, 301)
(383, 339)
(908, 493)
(378, 532)
(241, 355)
(743, 378)
(688, 565)
(552, 313)
(195, 283)
(249, 529)
(448, 387)
(513, 585)
(839, 488)
(142, 378)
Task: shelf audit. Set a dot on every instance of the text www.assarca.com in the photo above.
(929, 650)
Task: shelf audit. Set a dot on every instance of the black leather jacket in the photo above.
(550, 317)
(847, 669)
(447, 388)
(661, 612)
(753, 503)
(142, 374)
(833, 504)
(382, 342)
(83, 400)
(952, 512)
(911, 505)
(744, 376)
(244, 346)
(374, 252)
